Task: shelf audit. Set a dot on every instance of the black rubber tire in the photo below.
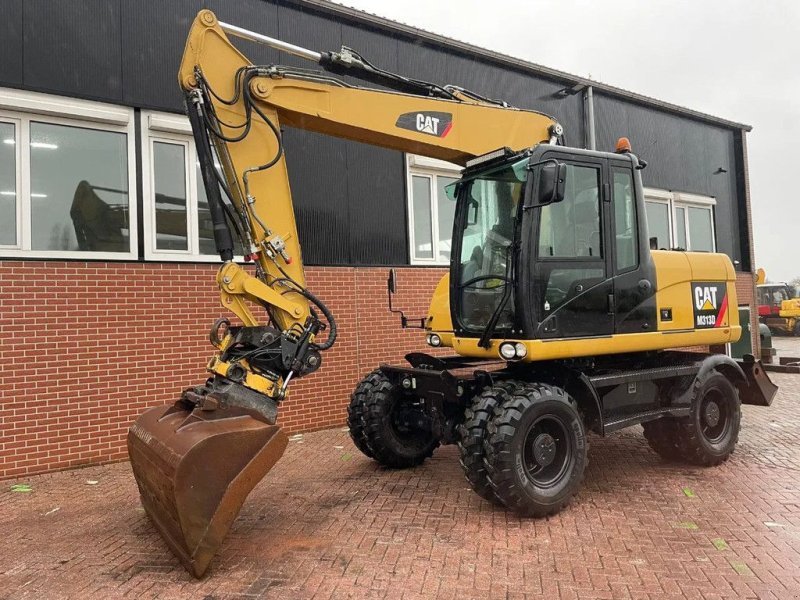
(385, 443)
(473, 433)
(356, 409)
(662, 437)
(531, 407)
(703, 444)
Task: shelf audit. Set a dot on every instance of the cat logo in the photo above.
(705, 297)
(710, 305)
(433, 123)
(427, 124)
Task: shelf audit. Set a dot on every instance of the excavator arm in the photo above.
(240, 109)
(196, 461)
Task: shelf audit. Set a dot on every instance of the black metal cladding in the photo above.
(255, 15)
(153, 38)
(683, 155)
(317, 164)
(739, 143)
(11, 42)
(73, 47)
(520, 90)
(350, 198)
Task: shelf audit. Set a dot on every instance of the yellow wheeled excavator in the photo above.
(559, 314)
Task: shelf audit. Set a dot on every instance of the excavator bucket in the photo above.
(194, 469)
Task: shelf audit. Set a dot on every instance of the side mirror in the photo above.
(552, 181)
(391, 287)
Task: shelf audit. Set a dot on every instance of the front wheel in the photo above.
(536, 451)
(473, 435)
(356, 410)
(391, 426)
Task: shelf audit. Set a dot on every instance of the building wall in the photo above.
(346, 192)
(682, 156)
(746, 294)
(92, 345)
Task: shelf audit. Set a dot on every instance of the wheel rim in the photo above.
(547, 451)
(401, 419)
(714, 416)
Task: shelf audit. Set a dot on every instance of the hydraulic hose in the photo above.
(222, 233)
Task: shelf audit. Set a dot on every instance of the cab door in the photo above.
(633, 300)
(572, 278)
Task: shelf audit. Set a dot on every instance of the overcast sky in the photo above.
(730, 58)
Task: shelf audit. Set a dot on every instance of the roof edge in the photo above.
(567, 79)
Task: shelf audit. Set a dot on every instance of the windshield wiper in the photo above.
(486, 336)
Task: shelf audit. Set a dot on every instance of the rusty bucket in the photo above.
(194, 469)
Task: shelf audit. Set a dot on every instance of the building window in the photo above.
(680, 221)
(430, 211)
(9, 183)
(177, 219)
(67, 178)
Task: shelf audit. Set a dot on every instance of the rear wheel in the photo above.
(536, 452)
(473, 434)
(709, 434)
(391, 427)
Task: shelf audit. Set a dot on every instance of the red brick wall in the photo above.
(87, 347)
(746, 294)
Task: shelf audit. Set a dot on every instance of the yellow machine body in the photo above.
(675, 272)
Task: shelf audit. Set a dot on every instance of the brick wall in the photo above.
(88, 346)
(746, 294)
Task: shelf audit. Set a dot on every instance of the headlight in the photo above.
(508, 351)
(434, 340)
(521, 350)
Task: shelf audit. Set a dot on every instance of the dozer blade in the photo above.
(194, 469)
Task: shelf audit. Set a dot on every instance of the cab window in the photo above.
(571, 228)
(624, 220)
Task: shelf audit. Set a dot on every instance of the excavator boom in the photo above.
(196, 461)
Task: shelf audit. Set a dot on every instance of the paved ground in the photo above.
(786, 346)
(329, 523)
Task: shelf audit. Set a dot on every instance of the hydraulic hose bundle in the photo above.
(205, 123)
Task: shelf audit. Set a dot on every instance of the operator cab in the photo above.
(551, 243)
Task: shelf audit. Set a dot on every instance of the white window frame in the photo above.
(687, 201)
(17, 124)
(684, 200)
(662, 197)
(171, 129)
(423, 166)
(21, 107)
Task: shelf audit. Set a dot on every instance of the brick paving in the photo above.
(329, 523)
(786, 346)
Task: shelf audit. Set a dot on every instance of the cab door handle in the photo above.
(612, 308)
